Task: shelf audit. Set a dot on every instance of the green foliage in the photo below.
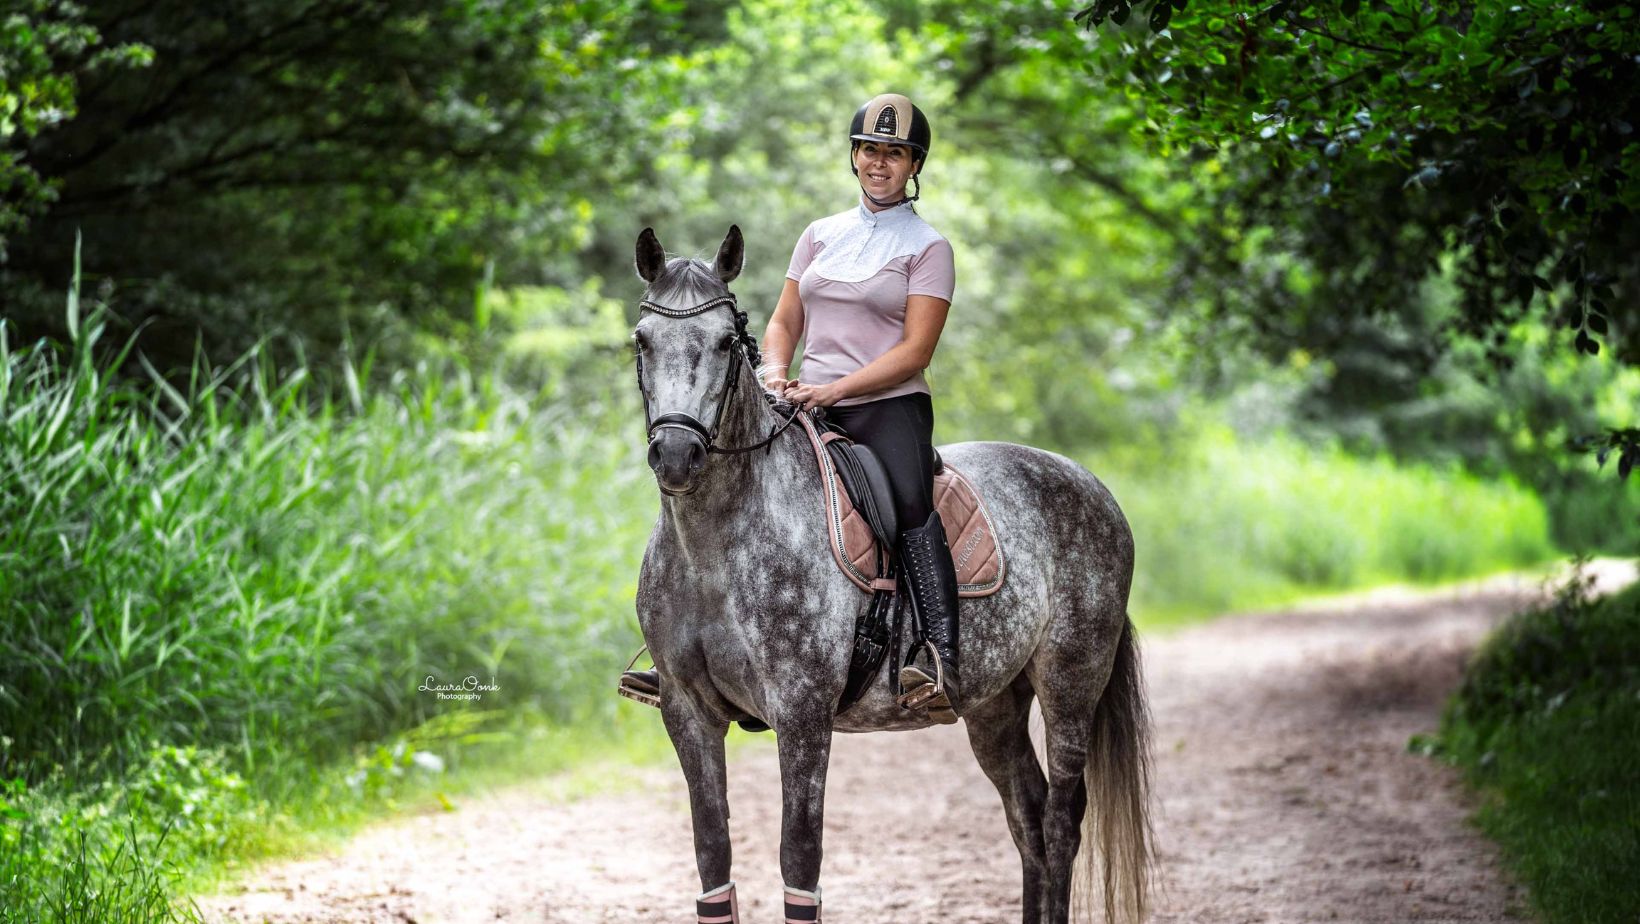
(1357, 145)
(330, 167)
(1547, 726)
(242, 564)
(46, 48)
(245, 565)
(110, 850)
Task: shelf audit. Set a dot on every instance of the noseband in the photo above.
(748, 352)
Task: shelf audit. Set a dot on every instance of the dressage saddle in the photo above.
(866, 481)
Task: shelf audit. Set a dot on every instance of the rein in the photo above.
(748, 353)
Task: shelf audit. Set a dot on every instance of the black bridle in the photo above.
(748, 354)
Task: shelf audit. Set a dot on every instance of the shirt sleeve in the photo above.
(802, 254)
(934, 271)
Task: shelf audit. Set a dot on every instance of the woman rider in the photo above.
(869, 287)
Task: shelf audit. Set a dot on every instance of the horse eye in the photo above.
(727, 342)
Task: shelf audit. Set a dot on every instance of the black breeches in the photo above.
(900, 431)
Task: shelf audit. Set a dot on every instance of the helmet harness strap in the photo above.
(885, 203)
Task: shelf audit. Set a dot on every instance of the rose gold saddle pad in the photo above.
(968, 529)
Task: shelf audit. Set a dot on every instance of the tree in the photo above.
(320, 165)
(45, 48)
(1373, 141)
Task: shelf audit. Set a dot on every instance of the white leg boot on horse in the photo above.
(929, 678)
(718, 906)
(802, 907)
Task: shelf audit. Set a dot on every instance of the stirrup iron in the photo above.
(919, 696)
(632, 693)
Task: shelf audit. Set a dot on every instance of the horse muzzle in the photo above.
(676, 456)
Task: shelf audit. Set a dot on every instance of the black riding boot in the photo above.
(932, 580)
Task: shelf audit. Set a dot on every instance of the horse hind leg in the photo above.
(999, 733)
(1098, 768)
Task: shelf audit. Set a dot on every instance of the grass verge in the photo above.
(1546, 727)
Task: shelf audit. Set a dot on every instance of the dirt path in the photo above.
(1285, 793)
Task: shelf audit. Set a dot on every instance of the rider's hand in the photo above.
(813, 396)
(778, 384)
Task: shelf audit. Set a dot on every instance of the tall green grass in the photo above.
(237, 561)
(259, 568)
(1224, 525)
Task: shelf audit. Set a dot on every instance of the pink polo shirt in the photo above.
(854, 271)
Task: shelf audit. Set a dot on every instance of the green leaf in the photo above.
(1159, 15)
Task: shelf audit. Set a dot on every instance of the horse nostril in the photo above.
(655, 456)
(697, 457)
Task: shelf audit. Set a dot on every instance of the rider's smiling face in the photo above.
(885, 169)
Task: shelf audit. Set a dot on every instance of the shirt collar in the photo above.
(893, 213)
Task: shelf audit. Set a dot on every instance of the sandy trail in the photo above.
(1285, 793)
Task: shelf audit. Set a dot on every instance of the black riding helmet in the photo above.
(890, 118)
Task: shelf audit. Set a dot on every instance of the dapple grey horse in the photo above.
(747, 615)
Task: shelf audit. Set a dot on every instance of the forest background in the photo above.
(315, 376)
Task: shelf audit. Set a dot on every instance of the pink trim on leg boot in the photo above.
(802, 907)
(718, 906)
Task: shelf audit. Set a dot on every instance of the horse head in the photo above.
(691, 344)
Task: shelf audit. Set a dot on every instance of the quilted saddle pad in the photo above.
(968, 530)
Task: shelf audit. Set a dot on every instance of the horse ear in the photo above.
(731, 255)
(651, 256)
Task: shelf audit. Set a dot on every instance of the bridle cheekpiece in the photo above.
(748, 352)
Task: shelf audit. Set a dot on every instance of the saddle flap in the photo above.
(866, 482)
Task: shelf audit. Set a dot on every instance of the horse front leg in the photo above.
(805, 755)
(699, 744)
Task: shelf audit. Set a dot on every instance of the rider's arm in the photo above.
(781, 336)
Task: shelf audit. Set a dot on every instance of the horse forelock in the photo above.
(686, 282)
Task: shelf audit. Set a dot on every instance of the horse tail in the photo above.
(1118, 784)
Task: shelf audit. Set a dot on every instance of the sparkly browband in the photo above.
(708, 305)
